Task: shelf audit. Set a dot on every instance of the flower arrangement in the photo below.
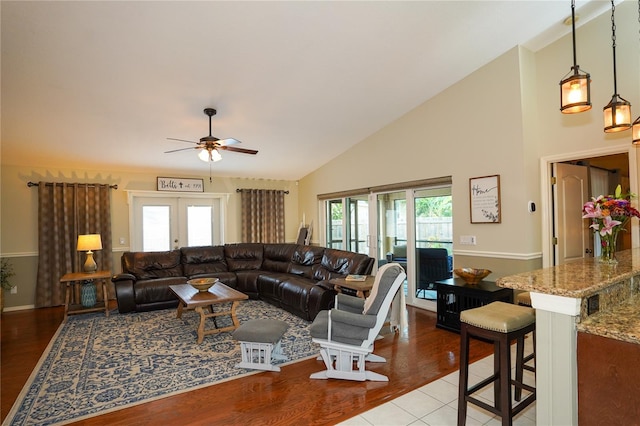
(609, 215)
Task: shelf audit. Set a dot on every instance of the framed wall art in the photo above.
(484, 197)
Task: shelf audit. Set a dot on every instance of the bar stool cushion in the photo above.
(499, 316)
(523, 298)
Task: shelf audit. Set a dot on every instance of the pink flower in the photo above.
(607, 225)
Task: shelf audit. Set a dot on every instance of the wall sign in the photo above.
(180, 184)
(484, 197)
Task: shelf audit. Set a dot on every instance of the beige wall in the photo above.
(502, 120)
(19, 213)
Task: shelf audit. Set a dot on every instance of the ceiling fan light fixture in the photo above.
(204, 155)
(575, 89)
(215, 155)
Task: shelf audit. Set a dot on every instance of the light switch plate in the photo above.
(468, 240)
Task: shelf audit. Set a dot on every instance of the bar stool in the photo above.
(500, 323)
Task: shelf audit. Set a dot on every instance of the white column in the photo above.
(556, 359)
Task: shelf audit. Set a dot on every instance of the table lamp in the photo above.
(88, 243)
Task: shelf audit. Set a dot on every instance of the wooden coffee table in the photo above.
(190, 298)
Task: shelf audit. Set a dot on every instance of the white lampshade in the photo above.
(89, 242)
(204, 155)
(215, 155)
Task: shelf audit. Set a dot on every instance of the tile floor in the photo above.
(436, 403)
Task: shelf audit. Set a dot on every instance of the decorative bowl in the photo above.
(202, 284)
(471, 275)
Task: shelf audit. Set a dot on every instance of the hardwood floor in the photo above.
(420, 355)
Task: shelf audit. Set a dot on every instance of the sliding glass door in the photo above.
(392, 226)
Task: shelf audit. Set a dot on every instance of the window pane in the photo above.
(334, 224)
(156, 234)
(199, 225)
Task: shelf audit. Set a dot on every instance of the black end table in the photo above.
(454, 296)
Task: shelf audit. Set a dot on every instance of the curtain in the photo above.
(66, 210)
(262, 215)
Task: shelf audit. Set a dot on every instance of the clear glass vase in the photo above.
(608, 246)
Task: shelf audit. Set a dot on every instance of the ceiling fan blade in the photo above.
(242, 150)
(183, 149)
(181, 140)
(228, 141)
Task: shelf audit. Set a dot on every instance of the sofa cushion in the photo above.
(244, 256)
(338, 263)
(157, 290)
(277, 257)
(148, 265)
(198, 261)
(304, 259)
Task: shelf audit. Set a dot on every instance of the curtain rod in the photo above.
(30, 184)
(245, 189)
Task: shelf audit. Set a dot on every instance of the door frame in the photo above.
(546, 194)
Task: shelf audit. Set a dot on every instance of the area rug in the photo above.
(96, 364)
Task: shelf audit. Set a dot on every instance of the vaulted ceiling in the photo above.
(102, 85)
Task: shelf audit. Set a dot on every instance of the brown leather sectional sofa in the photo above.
(291, 276)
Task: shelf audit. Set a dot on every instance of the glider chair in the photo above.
(347, 332)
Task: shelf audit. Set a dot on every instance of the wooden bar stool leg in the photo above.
(505, 368)
(464, 375)
(519, 367)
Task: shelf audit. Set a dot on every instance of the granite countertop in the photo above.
(579, 279)
(620, 323)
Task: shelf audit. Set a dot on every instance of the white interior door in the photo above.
(571, 231)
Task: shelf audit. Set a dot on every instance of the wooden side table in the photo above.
(454, 296)
(362, 288)
(73, 278)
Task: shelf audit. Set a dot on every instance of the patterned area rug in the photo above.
(96, 364)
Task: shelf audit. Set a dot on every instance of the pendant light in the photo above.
(617, 113)
(635, 129)
(575, 87)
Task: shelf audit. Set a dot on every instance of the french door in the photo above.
(158, 222)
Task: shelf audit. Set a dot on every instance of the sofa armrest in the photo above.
(124, 292)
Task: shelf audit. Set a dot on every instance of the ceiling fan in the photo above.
(210, 146)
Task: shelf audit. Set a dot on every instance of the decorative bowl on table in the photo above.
(202, 284)
(471, 275)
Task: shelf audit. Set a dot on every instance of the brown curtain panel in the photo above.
(66, 210)
(262, 215)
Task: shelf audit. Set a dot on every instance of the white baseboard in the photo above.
(18, 308)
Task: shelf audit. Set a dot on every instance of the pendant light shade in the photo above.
(617, 113)
(575, 92)
(575, 87)
(635, 132)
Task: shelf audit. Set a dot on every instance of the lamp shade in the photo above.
(89, 242)
(575, 93)
(635, 132)
(617, 115)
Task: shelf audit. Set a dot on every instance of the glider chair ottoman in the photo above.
(347, 332)
(260, 343)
